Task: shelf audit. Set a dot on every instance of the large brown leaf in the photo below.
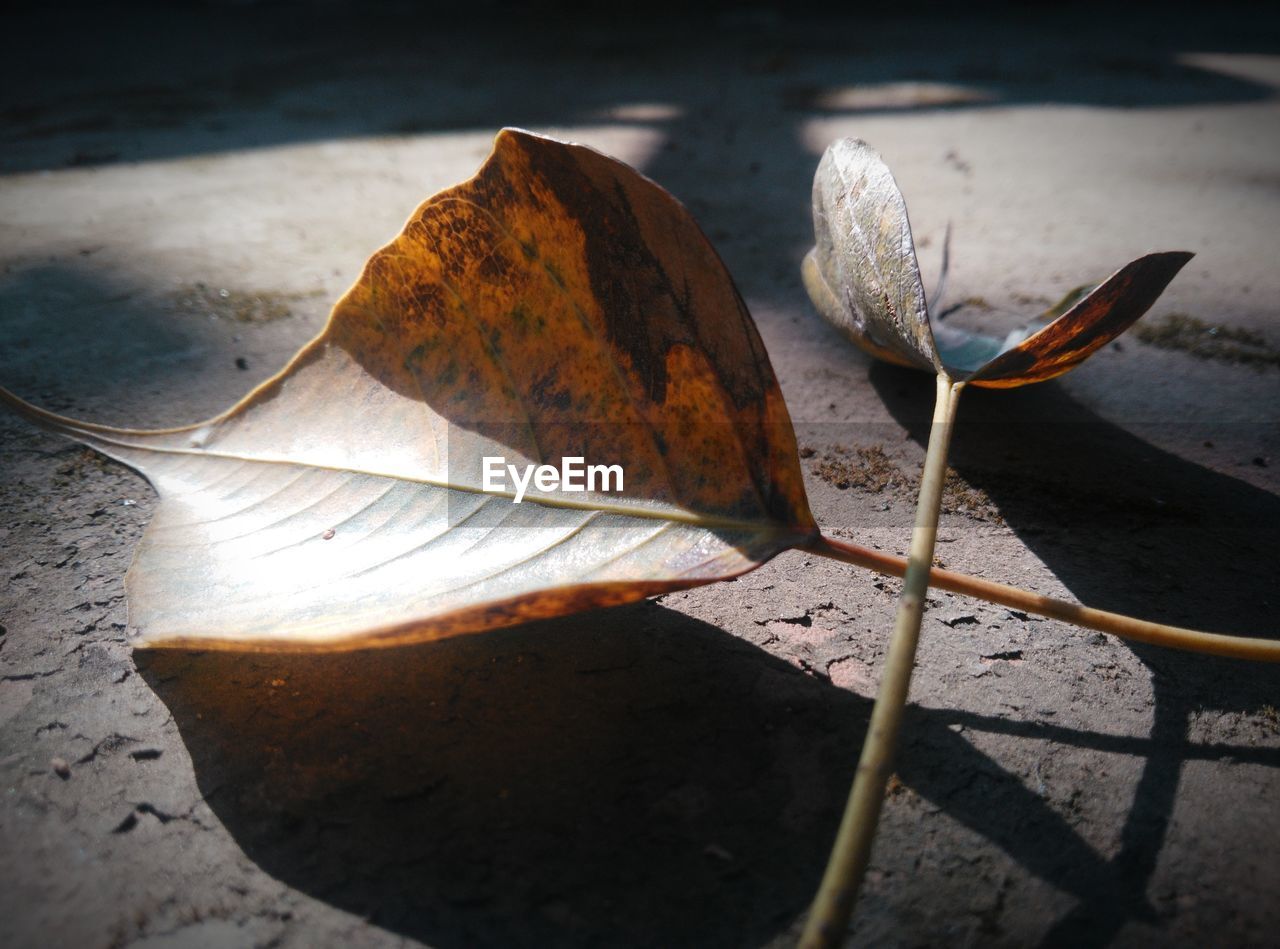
(863, 276)
(556, 305)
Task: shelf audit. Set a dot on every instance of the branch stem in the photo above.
(829, 919)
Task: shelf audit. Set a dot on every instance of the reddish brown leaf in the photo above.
(557, 305)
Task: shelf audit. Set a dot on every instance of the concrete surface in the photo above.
(670, 773)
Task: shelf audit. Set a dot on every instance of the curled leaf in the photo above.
(863, 276)
(556, 306)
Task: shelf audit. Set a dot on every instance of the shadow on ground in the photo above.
(87, 85)
(71, 334)
(627, 777)
(1112, 516)
(631, 777)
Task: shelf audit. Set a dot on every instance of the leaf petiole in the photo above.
(1117, 624)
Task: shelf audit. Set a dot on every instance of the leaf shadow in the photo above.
(630, 775)
(1134, 529)
(1125, 525)
(627, 777)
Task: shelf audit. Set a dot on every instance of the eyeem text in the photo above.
(574, 474)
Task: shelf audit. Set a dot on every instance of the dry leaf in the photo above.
(557, 305)
(863, 276)
(559, 308)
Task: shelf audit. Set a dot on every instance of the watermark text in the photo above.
(574, 474)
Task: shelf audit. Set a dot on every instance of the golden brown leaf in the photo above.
(556, 305)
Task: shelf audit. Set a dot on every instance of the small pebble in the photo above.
(60, 767)
(328, 535)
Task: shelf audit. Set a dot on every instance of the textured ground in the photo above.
(182, 195)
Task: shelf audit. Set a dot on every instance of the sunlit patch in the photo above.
(874, 96)
(643, 112)
(1259, 68)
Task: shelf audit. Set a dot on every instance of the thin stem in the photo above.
(832, 907)
(1117, 624)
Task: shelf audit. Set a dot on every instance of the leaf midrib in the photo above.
(664, 514)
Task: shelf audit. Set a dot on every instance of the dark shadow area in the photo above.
(1145, 826)
(87, 84)
(70, 333)
(625, 777)
(630, 777)
(1113, 517)
(81, 340)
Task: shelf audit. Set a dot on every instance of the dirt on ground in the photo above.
(185, 189)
